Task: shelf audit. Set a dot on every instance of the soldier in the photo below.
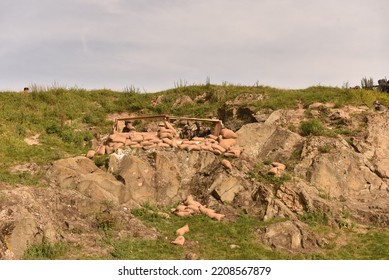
(129, 127)
(378, 106)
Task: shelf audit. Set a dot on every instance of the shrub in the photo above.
(312, 127)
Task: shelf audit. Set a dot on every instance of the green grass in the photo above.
(46, 251)
(207, 238)
(373, 245)
(210, 239)
(315, 218)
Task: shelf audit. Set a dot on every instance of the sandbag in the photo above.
(146, 143)
(119, 139)
(273, 171)
(213, 137)
(228, 134)
(195, 208)
(190, 201)
(149, 136)
(175, 143)
(279, 165)
(194, 148)
(169, 125)
(163, 145)
(205, 147)
(210, 141)
(167, 141)
(216, 152)
(183, 213)
(230, 154)
(180, 240)
(101, 150)
(156, 141)
(205, 210)
(218, 148)
(123, 134)
(181, 207)
(200, 139)
(183, 230)
(166, 135)
(215, 216)
(226, 143)
(90, 154)
(235, 150)
(227, 164)
(117, 146)
(129, 142)
(136, 137)
(183, 146)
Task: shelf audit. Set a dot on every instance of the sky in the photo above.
(153, 45)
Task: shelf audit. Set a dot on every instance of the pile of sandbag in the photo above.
(180, 240)
(193, 207)
(167, 137)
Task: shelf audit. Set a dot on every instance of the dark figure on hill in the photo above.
(186, 132)
(129, 127)
(196, 128)
(378, 106)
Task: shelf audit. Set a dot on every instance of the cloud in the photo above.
(153, 43)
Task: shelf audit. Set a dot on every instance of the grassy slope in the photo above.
(64, 117)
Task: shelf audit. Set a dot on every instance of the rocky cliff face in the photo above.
(343, 175)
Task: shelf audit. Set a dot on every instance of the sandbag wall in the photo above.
(167, 137)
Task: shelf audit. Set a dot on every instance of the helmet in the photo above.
(377, 102)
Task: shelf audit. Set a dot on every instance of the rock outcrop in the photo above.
(271, 173)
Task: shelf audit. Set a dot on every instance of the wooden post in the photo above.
(217, 129)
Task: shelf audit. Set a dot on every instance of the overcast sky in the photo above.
(153, 44)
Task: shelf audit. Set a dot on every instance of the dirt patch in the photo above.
(33, 140)
(31, 168)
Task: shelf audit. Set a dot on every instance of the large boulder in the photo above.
(288, 235)
(225, 188)
(339, 172)
(82, 174)
(167, 177)
(139, 178)
(267, 141)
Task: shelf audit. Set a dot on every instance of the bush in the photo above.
(312, 127)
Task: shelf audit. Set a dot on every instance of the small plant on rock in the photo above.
(312, 127)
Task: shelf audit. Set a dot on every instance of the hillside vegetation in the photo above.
(65, 122)
(67, 119)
